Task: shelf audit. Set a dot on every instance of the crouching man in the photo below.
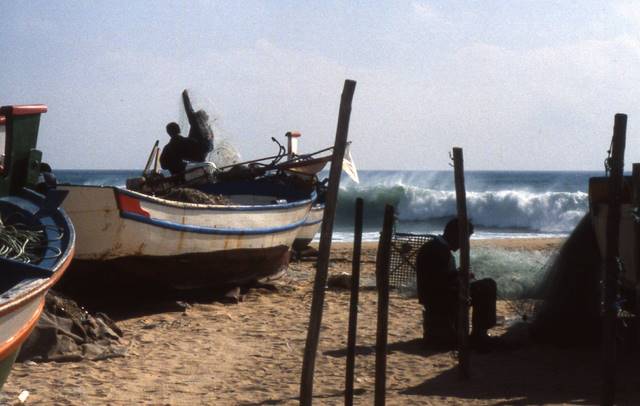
(437, 280)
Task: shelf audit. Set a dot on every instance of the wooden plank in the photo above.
(611, 258)
(463, 280)
(315, 319)
(353, 304)
(382, 282)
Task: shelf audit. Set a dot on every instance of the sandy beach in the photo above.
(250, 353)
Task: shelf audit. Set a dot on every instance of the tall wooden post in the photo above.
(636, 235)
(353, 305)
(463, 289)
(382, 279)
(315, 319)
(611, 258)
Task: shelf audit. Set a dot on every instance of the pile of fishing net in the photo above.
(569, 310)
(66, 332)
(190, 195)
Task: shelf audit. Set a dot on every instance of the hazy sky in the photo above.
(518, 84)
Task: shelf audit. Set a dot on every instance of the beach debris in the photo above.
(233, 296)
(306, 254)
(339, 281)
(23, 396)
(183, 305)
(67, 333)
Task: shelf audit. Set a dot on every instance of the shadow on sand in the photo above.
(121, 304)
(533, 376)
(527, 375)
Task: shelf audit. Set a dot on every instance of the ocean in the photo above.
(501, 204)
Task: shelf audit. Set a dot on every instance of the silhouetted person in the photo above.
(437, 283)
(178, 151)
(194, 148)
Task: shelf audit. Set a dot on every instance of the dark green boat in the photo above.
(36, 237)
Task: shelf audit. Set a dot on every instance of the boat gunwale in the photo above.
(25, 293)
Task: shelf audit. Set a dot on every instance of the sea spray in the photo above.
(547, 212)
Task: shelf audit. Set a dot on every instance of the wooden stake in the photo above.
(315, 319)
(636, 235)
(611, 258)
(382, 276)
(353, 305)
(463, 289)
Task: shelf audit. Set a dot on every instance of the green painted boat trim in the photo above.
(5, 366)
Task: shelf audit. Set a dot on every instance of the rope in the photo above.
(21, 242)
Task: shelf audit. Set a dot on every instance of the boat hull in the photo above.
(23, 286)
(310, 228)
(127, 238)
(218, 270)
(15, 327)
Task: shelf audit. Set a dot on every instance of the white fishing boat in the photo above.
(310, 227)
(142, 236)
(130, 237)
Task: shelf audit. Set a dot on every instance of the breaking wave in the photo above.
(554, 212)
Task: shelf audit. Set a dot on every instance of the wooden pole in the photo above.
(611, 258)
(315, 319)
(463, 288)
(353, 305)
(382, 276)
(635, 176)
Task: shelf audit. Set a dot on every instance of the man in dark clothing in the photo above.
(437, 280)
(179, 149)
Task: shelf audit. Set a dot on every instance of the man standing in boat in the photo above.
(437, 280)
(193, 148)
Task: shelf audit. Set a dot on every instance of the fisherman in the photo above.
(193, 148)
(437, 280)
(177, 152)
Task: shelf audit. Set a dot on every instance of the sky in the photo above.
(519, 85)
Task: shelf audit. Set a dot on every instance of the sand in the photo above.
(251, 354)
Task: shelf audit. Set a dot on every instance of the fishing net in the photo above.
(402, 263)
(224, 152)
(569, 310)
(559, 298)
(189, 195)
(20, 241)
(66, 332)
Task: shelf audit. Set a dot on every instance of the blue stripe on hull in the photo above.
(210, 230)
(311, 223)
